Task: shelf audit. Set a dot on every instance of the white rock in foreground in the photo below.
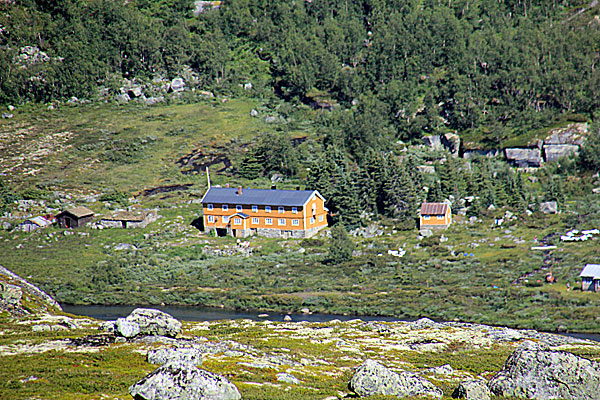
(147, 321)
(183, 381)
(372, 378)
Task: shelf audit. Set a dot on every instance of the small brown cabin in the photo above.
(74, 217)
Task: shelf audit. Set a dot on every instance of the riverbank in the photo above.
(196, 314)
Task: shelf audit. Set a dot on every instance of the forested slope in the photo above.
(415, 66)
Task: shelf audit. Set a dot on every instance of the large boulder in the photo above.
(147, 321)
(524, 157)
(535, 372)
(473, 390)
(372, 378)
(553, 152)
(183, 381)
(549, 207)
(184, 354)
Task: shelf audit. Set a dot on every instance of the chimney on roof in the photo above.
(273, 187)
(239, 191)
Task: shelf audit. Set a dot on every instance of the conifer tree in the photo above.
(340, 245)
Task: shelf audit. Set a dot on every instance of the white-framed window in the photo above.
(269, 221)
(440, 217)
(281, 210)
(225, 220)
(255, 220)
(281, 221)
(294, 210)
(312, 220)
(254, 208)
(268, 209)
(426, 217)
(320, 218)
(314, 208)
(211, 218)
(238, 208)
(295, 222)
(225, 207)
(237, 221)
(209, 207)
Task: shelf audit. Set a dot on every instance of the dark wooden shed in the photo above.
(74, 217)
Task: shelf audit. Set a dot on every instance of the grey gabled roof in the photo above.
(258, 197)
(591, 270)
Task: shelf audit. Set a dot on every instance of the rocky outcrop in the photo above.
(473, 390)
(534, 372)
(451, 141)
(146, 321)
(553, 152)
(30, 289)
(524, 157)
(183, 381)
(573, 134)
(372, 378)
(189, 355)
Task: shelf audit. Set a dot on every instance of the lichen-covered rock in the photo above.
(473, 390)
(372, 378)
(451, 141)
(433, 142)
(166, 355)
(287, 378)
(183, 381)
(535, 372)
(147, 321)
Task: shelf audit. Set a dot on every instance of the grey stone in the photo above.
(166, 355)
(549, 207)
(270, 119)
(10, 295)
(571, 134)
(372, 378)
(135, 91)
(146, 321)
(426, 169)
(535, 372)
(7, 115)
(473, 390)
(127, 328)
(556, 151)
(287, 378)
(469, 154)
(524, 157)
(426, 232)
(253, 113)
(183, 381)
(122, 98)
(433, 142)
(11, 107)
(177, 85)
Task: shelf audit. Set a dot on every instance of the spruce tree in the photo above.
(340, 245)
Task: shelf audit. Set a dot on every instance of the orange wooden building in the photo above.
(435, 215)
(272, 213)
